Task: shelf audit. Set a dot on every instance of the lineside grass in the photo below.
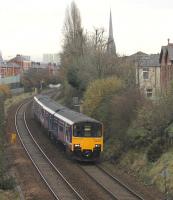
(16, 99)
(9, 195)
(157, 173)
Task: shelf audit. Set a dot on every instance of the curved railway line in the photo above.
(54, 179)
(56, 182)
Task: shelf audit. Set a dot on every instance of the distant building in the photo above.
(111, 48)
(52, 67)
(147, 73)
(23, 61)
(51, 58)
(166, 63)
(137, 57)
(7, 69)
(9, 73)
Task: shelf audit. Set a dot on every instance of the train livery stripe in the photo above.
(54, 113)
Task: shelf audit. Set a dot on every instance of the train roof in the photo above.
(62, 112)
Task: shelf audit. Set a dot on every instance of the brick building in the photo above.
(166, 63)
(23, 61)
(51, 67)
(9, 73)
(7, 69)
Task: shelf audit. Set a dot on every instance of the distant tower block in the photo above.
(111, 48)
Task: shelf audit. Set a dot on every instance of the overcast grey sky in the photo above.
(34, 27)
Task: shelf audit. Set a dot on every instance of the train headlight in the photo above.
(76, 145)
(98, 145)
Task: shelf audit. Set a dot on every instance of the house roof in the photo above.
(39, 65)
(150, 61)
(145, 60)
(9, 65)
(15, 65)
(138, 55)
(19, 58)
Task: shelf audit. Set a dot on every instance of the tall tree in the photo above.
(73, 47)
(73, 32)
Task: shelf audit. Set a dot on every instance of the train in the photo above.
(82, 136)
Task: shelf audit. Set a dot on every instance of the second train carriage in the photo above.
(81, 135)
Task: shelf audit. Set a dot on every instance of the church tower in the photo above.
(111, 48)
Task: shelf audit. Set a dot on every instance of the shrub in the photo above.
(155, 150)
(137, 137)
(113, 149)
(5, 90)
(99, 91)
(7, 183)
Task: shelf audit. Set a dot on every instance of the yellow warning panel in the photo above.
(13, 138)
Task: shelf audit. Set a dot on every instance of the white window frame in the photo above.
(149, 92)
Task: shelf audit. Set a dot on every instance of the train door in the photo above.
(42, 116)
(56, 128)
(50, 123)
(46, 119)
(68, 134)
(61, 131)
(68, 139)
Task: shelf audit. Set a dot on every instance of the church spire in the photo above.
(111, 44)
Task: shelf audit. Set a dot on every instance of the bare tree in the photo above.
(85, 57)
(100, 50)
(73, 32)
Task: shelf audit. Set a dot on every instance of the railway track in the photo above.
(60, 188)
(54, 179)
(109, 183)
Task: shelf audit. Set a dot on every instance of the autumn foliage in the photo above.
(5, 90)
(98, 91)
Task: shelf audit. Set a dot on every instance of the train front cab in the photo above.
(87, 141)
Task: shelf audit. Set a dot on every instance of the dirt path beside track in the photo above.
(20, 166)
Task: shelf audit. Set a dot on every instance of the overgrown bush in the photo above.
(149, 126)
(155, 150)
(99, 91)
(137, 137)
(5, 90)
(67, 94)
(7, 183)
(112, 150)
